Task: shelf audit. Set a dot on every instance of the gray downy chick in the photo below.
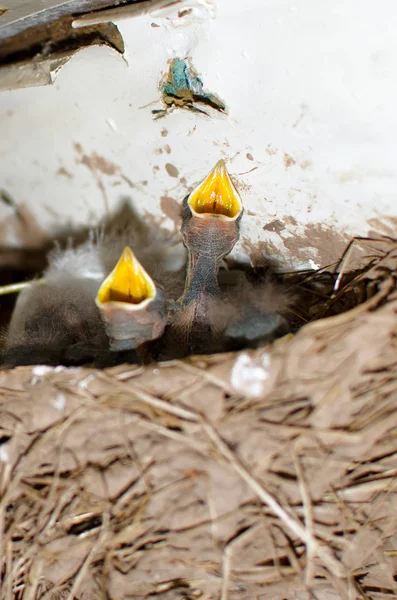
(56, 321)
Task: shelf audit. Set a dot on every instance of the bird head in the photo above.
(211, 215)
(131, 305)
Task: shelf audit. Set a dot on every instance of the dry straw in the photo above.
(263, 474)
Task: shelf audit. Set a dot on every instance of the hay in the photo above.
(264, 474)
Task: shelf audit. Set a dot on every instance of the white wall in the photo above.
(311, 80)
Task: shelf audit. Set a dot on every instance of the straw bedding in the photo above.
(266, 474)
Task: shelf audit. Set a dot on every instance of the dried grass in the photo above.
(267, 474)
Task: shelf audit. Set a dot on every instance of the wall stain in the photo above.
(305, 164)
(172, 208)
(171, 170)
(304, 109)
(383, 225)
(288, 161)
(99, 165)
(64, 172)
(261, 254)
(319, 242)
(271, 150)
(289, 220)
(328, 242)
(276, 226)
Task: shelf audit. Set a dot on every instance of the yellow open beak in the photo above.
(127, 284)
(216, 195)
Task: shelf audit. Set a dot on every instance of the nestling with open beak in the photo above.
(78, 313)
(210, 229)
(131, 305)
(81, 313)
(213, 317)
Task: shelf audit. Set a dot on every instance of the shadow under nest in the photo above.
(267, 473)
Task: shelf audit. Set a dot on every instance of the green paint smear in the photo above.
(183, 88)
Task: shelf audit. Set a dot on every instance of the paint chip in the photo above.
(181, 87)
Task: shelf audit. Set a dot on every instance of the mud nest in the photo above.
(266, 474)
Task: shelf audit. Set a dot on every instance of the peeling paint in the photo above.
(183, 88)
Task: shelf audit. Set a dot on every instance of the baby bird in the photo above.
(80, 314)
(56, 322)
(250, 315)
(103, 303)
(219, 313)
(210, 229)
(132, 306)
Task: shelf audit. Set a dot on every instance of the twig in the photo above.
(84, 567)
(308, 513)
(14, 288)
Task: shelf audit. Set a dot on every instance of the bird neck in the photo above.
(201, 277)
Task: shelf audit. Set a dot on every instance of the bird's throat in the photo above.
(201, 278)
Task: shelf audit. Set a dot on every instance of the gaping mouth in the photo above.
(127, 284)
(216, 195)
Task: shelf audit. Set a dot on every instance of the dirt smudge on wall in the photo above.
(275, 226)
(99, 165)
(288, 161)
(327, 241)
(172, 209)
(383, 225)
(171, 170)
(321, 243)
(64, 172)
(261, 254)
